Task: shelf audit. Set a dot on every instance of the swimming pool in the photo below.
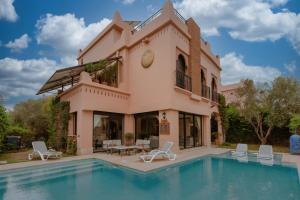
(204, 178)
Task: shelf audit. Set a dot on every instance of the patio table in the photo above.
(124, 148)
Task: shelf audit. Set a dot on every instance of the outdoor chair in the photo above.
(142, 145)
(106, 145)
(265, 152)
(40, 148)
(164, 152)
(241, 150)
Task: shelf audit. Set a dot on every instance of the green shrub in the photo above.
(72, 146)
(295, 123)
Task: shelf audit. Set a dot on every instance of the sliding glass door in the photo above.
(147, 127)
(107, 126)
(190, 130)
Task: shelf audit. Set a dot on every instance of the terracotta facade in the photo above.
(170, 86)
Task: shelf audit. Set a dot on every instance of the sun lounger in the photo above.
(40, 148)
(165, 152)
(265, 152)
(241, 150)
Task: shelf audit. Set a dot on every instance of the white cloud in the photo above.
(234, 69)
(290, 67)
(247, 20)
(150, 8)
(67, 34)
(127, 1)
(7, 10)
(19, 78)
(19, 43)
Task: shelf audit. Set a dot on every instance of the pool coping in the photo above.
(134, 163)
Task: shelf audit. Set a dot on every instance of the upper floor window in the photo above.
(213, 85)
(181, 66)
(214, 94)
(203, 79)
(182, 80)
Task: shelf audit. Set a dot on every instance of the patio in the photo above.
(133, 162)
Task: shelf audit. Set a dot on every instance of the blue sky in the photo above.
(255, 39)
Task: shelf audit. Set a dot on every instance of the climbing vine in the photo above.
(58, 121)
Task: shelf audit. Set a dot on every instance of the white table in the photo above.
(124, 148)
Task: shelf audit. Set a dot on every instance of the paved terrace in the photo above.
(134, 162)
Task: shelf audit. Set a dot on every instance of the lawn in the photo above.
(255, 147)
(14, 157)
(19, 156)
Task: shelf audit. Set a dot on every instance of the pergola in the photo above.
(69, 76)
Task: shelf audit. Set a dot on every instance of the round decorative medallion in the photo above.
(147, 58)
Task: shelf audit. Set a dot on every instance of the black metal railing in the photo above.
(183, 81)
(215, 96)
(147, 21)
(179, 16)
(205, 91)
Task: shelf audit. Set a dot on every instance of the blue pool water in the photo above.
(206, 178)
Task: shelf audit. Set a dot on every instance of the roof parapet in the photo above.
(117, 17)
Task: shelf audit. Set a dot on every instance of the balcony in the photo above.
(215, 96)
(183, 81)
(205, 91)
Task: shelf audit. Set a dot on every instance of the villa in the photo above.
(230, 92)
(163, 85)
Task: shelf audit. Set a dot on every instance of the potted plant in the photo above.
(128, 138)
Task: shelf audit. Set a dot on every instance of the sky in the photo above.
(256, 39)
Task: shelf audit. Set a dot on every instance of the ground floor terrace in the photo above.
(134, 162)
(186, 130)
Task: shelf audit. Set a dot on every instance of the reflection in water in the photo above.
(206, 178)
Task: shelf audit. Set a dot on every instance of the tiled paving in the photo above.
(134, 162)
(126, 161)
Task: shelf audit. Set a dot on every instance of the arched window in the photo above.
(213, 85)
(214, 94)
(181, 66)
(205, 92)
(203, 79)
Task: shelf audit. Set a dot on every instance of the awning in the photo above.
(68, 76)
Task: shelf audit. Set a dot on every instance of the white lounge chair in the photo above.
(40, 148)
(165, 152)
(241, 150)
(265, 152)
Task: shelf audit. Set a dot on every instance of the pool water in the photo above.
(206, 178)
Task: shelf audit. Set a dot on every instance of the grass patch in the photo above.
(15, 157)
(255, 147)
(20, 156)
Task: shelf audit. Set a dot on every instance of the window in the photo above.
(190, 130)
(107, 126)
(74, 122)
(147, 127)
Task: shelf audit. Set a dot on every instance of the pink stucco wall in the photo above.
(142, 89)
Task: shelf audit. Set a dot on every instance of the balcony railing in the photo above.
(215, 96)
(181, 18)
(205, 91)
(141, 25)
(183, 81)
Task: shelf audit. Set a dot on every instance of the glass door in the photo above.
(190, 130)
(107, 126)
(147, 127)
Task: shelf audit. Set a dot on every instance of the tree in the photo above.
(223, 115)
(30, 118)
(58, 123)
(295, 123)
(268, 106)
(4, 123)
